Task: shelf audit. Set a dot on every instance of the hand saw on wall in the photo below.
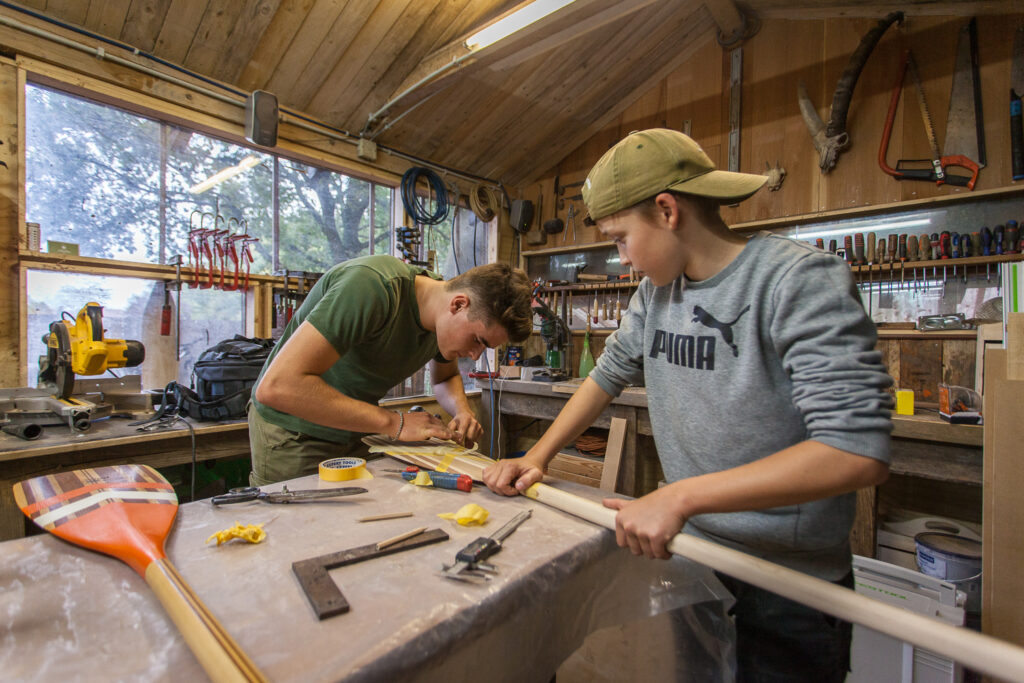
(938, 163)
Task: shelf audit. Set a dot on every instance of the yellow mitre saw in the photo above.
(77, 347)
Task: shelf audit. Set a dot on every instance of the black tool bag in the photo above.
(222, 380)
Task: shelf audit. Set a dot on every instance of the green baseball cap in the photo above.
(647, 162)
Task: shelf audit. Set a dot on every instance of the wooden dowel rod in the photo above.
(218, 653)
(984, 653)
(390, 515)
(400, 537)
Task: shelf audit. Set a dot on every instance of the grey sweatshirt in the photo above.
(774, 350)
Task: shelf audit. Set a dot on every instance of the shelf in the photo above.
(866, 211)
(887, 269)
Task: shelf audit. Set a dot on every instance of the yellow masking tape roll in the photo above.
(344, 469)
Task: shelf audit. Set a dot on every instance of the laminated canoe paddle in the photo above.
(126, 511)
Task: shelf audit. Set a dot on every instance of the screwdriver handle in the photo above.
(997, 238)
(880, 251)
(832, 246)
(858, 248)
(912, 254)
(936, 252)
(871, 247)
(944, 245)
(902, 247)
(966, 246)
(925, 245)
(848, 248)
(1012, 235)
(819, 243)
(986, 241)
(976, 244)
(955, 250)
(443, 480)
(891, 248)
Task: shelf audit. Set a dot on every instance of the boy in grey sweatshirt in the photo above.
(766, 396)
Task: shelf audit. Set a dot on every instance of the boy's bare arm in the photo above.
(804, 472)
(511, 477)
(293, 385)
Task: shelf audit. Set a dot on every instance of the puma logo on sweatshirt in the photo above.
(695, 351)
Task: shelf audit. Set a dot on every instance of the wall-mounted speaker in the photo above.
(521, 215)
(261, 118)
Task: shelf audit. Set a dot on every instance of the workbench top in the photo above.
(71, 614)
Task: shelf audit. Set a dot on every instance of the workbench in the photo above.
(71, 614)
(924, 446)
(108, 442)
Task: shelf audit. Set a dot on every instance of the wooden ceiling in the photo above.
(509, 112)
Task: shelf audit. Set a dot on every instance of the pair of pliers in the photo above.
(247, 493)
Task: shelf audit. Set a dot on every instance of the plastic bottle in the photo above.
(586, 357)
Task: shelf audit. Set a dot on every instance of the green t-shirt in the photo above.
(366, 308)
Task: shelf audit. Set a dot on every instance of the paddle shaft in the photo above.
(216, 651)
(983, 653)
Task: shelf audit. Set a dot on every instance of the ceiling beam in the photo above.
(440, 69)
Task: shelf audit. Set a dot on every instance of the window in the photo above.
(127, 187)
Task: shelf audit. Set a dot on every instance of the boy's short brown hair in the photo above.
(505, 293)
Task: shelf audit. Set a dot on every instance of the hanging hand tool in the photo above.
(832, 246)
(848, 249)
(965, 250)
(893, 257)
(871, 269)
(819, 243)
(469, 562)
(1016, 91)
(903, 259)
(997, 239)
(937, 173)
(247, 493)
(858, 248)
(913, 255)
(965, 133)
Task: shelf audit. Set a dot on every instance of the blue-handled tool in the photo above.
(441, 480)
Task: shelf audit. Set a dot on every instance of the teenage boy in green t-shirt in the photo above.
(367, 325)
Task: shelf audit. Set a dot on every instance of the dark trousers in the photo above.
(782, 641)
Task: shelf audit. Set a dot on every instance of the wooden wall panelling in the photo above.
(72, 11)
(11, 182)
(175, 37)
(348, 58)
(437, 27)
(890, 350)
(958, 359)
(921, 368)
(106, 17)
(325, 19)
(250, 24)
(674, 40)
(274, 43)
(216, 24)
(772, 129)
(404, 43)
(551, 72)
(142, 23)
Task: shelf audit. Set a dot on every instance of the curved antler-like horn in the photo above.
(844, 88)
(828, 150)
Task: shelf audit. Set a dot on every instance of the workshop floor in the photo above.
(651, 651)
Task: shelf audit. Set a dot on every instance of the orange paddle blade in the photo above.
(124, 511)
